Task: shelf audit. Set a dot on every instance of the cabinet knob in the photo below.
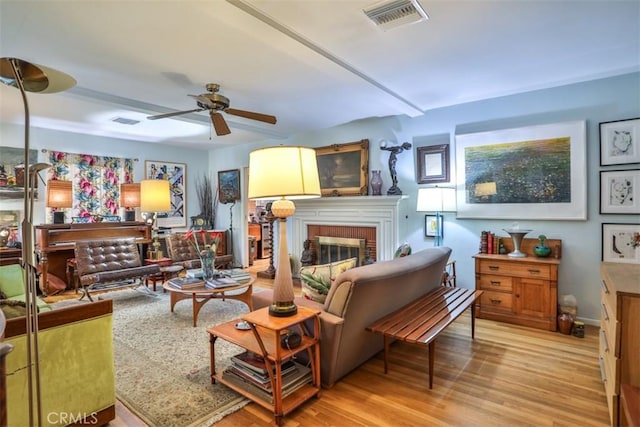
(494, 267)
(495, 301)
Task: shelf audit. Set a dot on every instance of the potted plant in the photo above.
(541, 249)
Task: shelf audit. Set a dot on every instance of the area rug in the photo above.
(162, 361)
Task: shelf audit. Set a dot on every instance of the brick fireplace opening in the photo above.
(368, 234)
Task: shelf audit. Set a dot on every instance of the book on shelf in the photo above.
(185, 282)
(255, 362)
(290, 383)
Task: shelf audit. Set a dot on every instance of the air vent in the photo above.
(125, 121)
(396, 13)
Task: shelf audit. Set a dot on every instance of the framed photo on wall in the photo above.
(344, 169)
(433, 164)
(176, 174)
(537, 172)
(619, 192)
(620, 142)
(621, 243)
(229, 186)
(433, 226)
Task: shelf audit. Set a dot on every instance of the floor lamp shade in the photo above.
(129, 198)
(285, 174)
(59, 196)
(155, 195)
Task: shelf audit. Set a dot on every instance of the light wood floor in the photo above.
(507, 376)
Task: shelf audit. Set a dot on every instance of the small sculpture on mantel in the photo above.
(395, 150)
(307, 254)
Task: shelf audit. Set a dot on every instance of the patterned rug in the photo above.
(162, 361)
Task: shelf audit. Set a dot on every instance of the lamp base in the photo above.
(58, 217)
(129, 215)
(283, 309)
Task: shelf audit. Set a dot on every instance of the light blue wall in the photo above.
(596, 101)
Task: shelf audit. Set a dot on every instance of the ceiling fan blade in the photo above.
(175, 113)
(219, 124)
(251, 115)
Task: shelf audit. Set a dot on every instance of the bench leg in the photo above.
(432, 357)
(473, 320)
(386, 353)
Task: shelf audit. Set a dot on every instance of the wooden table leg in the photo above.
(212, 341)
(386, 353)
(432, 356)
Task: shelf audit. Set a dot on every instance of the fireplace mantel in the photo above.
(381, 212)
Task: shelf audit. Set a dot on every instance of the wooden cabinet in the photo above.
(264, 338)
(523, 291)
(619, 332)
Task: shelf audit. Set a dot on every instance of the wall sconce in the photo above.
(130, 198)
(59, 196)
(285, 174)
(155, 196)
(438, 200)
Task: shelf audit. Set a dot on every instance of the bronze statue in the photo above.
(395, 150)
(307, 254)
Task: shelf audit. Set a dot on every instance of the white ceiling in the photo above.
(311, 63)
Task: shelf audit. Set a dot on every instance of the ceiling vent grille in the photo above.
(396, 13)
(125, 121)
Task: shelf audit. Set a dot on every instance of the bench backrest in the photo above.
(95, 256)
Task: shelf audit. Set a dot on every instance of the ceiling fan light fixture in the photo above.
(395, 13)
(125, 121)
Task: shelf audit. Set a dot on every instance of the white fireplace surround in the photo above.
(381, 212)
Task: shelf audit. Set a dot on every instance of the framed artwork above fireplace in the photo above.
(344, 169)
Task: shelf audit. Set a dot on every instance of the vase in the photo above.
(542, 251)
(207, 259)
(517, 236)
(376, 183)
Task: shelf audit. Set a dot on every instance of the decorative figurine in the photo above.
(395, 150)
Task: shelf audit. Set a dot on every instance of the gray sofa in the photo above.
(359, 297)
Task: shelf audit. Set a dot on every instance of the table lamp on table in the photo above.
(130, 198)
(283, 174)
(59, 196)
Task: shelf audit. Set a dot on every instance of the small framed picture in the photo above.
(433, 164)
(621, 243)
(229, 186)
(619, 192)
(620, 142)
(432, 226)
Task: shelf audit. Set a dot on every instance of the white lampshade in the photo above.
(130, 195)
(155, 195)
(283, 172)
(436, 199)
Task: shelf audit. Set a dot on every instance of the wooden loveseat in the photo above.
(110, 263)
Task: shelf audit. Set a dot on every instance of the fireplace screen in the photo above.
(332, 249)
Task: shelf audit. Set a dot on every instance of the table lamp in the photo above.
(130, 198)
(284, 174)
(155, 196)
(59, 196)
(438, 200)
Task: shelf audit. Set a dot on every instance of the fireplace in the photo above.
(376, 219)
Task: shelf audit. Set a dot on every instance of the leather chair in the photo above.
(182, 252)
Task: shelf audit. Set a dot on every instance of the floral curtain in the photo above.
(96, 182)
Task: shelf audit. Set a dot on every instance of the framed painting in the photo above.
(176, 174)
(229, 186)
(433, 226)
(12, 172)
(433, 164)
(619, 192)
(344, 169)
(537, 172)
(621, 243)
(620, 142)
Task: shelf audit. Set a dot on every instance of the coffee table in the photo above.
(201, 295)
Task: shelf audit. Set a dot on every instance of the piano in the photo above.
(55, 243)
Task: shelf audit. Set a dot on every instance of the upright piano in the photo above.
(55, 243)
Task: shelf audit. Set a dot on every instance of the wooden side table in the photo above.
(167, 271)
(263, 338)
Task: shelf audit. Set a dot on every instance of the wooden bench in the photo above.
(421, 321)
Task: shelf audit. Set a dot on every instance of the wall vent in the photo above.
(125, 121)
(396, 13)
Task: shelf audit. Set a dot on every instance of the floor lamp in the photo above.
(438, 200)
(285, 174)
(29, 77)
(155, 196)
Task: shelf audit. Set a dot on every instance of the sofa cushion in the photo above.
(317, 279)
(12, 280)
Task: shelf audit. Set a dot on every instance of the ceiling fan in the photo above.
(214, 102)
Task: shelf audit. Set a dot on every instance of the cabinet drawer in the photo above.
(496, 283)
(496, 301)
(537, 271)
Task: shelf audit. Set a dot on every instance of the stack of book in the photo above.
(220, 282)
(237, 274)
(248, 371)
(185, 282)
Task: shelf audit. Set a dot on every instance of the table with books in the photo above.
(269, 371)
(200, 291)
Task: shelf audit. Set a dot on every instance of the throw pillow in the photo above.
(317, 279)
(12, 308)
